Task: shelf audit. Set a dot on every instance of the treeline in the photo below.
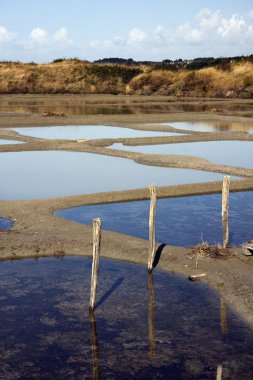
(192, 64)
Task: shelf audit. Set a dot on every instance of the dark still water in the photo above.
(179, 221)
(5, 224)
(162, 327)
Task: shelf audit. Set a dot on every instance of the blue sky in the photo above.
(41, 31)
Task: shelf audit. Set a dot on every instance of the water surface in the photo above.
(5, 224)
(88, 132)
(29, 175)
(82, 107)
(7, 142)
(179, 221)
(162, 327)
(234, 153)
(214, 126)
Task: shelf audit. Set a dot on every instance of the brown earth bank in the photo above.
(37, 232)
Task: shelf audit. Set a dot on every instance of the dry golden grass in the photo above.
(74, 76)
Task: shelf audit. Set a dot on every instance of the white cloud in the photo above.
(39, 35)
(161, 35)
(5, 35)
(136, 37)
(40, 38)
(208, 19)
(236, 25)
(188, 34)
(212, 34)
(61, 35)
(250, 13)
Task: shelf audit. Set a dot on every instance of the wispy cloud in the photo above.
(5, 35)
(210, 34)
(39, 41)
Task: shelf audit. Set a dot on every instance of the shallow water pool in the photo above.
(5, 224)
(234, 153)
(215, 126)
(144, 327)
(7, 142)
(180, 221)
(29, 175)
(88, 132)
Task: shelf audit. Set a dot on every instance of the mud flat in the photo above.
(37, 232)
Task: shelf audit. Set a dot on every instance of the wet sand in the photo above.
(37, 232)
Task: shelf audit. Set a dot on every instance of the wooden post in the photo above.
(152, 215)
(225, 210)
(151, 316)
(219, 372)
(95, 262)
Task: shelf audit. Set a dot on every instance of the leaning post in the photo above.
(95, 262)
(225, 210)
(152, 216)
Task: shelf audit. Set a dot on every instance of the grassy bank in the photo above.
(234, 80)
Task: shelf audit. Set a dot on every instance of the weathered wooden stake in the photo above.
(219, 372)
(152, 215)
(95, 262)
(225, 210)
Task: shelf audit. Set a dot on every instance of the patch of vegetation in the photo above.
(203, 250)
(201, 77)
(108, 72)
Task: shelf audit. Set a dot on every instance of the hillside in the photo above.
(235, 79)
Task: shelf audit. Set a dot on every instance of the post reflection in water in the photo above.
(151, 316)
(94, 347)
(223, 317)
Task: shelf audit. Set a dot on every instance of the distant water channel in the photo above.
(234, 153)
(179, 221)
(88, 132)
(144, 327)
(7, 142)
(214, 126)
(43, 174)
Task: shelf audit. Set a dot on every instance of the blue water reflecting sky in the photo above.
(6, 142)
(234, 153)
(179, 221)
(29, 175)
(88, 132)
(144, 327)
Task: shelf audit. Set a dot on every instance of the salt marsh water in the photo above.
(179, 221)
(5, 224)
(144, 327)
(88, 132)
(29, 175)
(83, 106)
(6, 142)
(217, 126)
(235, 153)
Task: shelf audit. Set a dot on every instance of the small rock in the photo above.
(195, 277)
(247, 249)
